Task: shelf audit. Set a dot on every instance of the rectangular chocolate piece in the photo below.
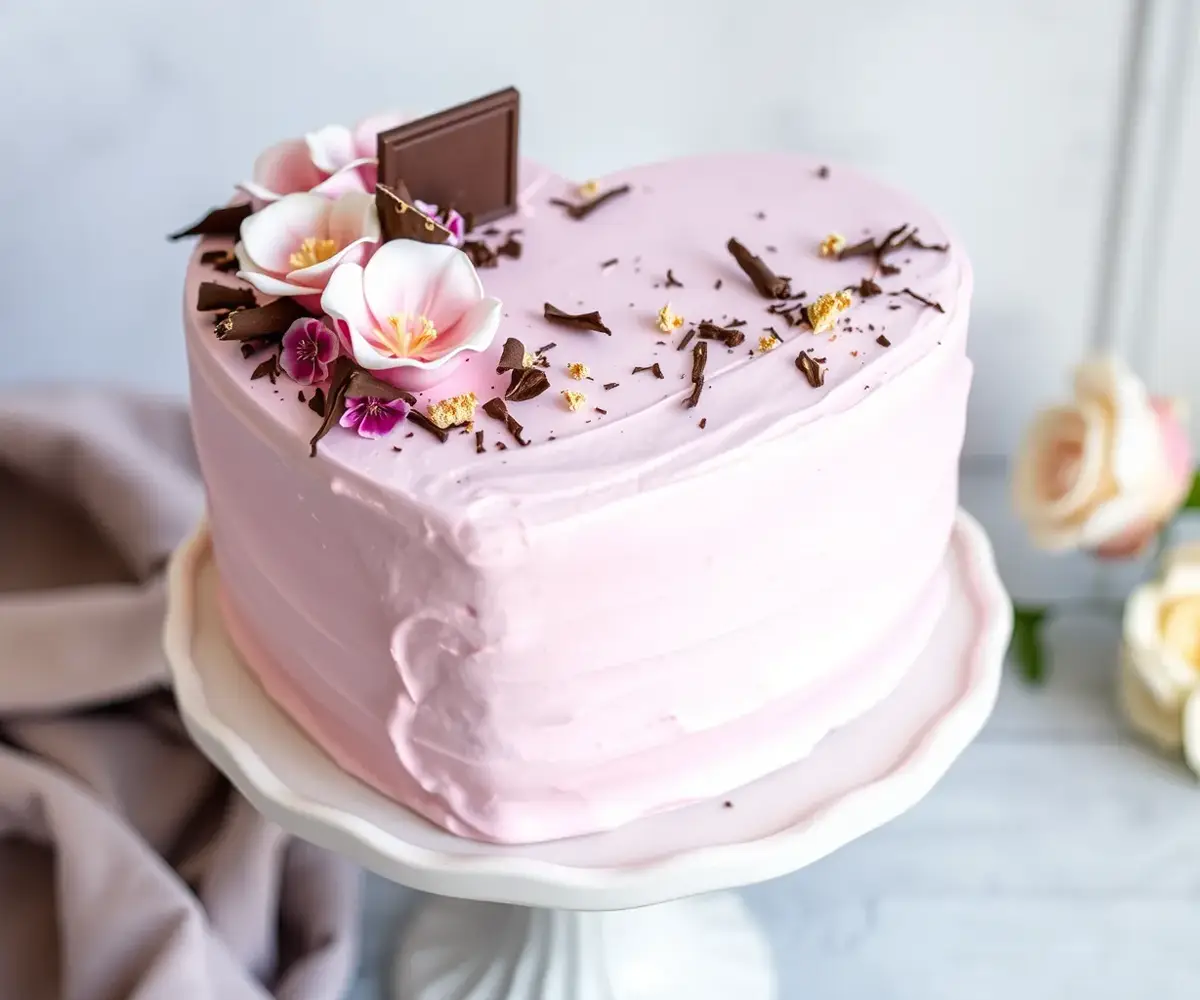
(464, 158)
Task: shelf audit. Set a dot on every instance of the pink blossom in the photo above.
(308, 348)
(293, 245)
(453, 221)
(330, 162)
(373, 417)
(410, 315)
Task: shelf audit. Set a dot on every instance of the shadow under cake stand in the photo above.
(633, 914)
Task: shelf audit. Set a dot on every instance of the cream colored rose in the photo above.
(1160, 668)
(1106, 471)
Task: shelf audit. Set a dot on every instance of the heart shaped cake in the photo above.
(618, 501)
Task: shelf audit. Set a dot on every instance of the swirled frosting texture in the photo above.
(633, 611)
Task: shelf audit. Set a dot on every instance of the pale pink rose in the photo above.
(413, 313)
(293, 245)
(1105, 472)
(330, 162)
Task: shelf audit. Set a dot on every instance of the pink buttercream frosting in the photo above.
(633, 611)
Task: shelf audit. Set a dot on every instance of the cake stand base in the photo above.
(524, 921)
(696, 949)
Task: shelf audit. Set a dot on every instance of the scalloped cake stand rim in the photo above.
(857, 779)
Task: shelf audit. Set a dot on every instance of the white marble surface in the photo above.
(1058, 859)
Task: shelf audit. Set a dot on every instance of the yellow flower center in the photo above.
(312, 251)
(1180, 624)
(407, 337)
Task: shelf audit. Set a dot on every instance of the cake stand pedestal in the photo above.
(613, 916)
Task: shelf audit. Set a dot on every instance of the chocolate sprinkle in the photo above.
(920, 298)
(672, 281)
(482, 255)
(728, 336)
(717, 285)
(703, 422)
(699, 361)
(225, 221)
(422, 421)
(611, 262)
(603, 412)
(868, 289)
(546, 347)
(588, 207)
(811, 369)
(213, 295)
(822, 172)
(261, 321)
(268, 369)
(479, 442)
(882, 341)
(769, 284)
(512, 356)
(496, 409)
(579, 321)
(611, 385)
(221, 260)
(526, 384)
(656, 368)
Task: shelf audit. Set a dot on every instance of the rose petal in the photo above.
(1148, 716)
(330, 148)
(1136, 456)
(284, 168)
(271, 236)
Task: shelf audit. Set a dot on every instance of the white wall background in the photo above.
(122, 119)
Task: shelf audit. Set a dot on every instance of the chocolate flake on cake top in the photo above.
(270, 320)
(769, 284)
(811, 369)
(578, 321)
(920, 298)
(225, 221)
(583, 210)
(213, 295)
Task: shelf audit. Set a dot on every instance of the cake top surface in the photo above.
(654, 263)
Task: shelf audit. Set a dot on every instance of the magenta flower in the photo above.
(308, 348)
(373, 417)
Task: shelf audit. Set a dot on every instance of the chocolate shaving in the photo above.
(526, 384)
(512, 356)
(864, 248)
(479, 443)
(422, 421)
(769, 284)
(793, 315)
(225, 221)
(511, 247)
(349, 380)
(882, 341)
(317, 403)
(911, 240)
(588, 207)
(868, 289)
(611, 385)
(686, 339)
(249, 349)
(822, 172)
(496, 409)
(699, 361)
(920, 298)
(220, 260)
(546, 347)
(268, 369)
(213, 295)
(811, 369)
(703, 422)
(481, 254)
(399, 219)
(656, 368)
(579, 321)
(728, 336)
(672, 281)
(261, 321)
(611, 262)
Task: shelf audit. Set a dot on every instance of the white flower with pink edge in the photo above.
(413, 313)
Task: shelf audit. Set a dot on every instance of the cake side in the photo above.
(644, 605)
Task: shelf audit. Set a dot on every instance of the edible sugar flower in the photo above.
(373, 417)
(309, 346)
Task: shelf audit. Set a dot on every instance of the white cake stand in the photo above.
(605, 917)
